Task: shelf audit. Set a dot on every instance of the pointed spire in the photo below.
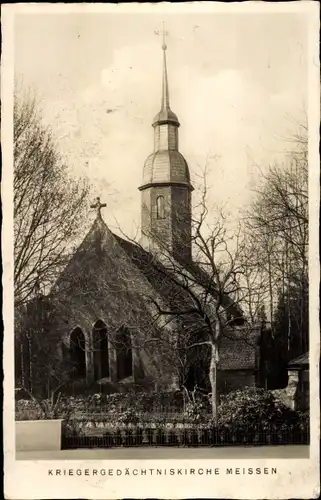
(165, 91)
(165, 115)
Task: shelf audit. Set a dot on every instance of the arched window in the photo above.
(78, 352)
(101, 356)
(124, 354)
(160, 207)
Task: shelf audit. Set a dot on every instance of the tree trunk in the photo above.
(213, 380)
(270, 291)
(22, 364)
(30, 365)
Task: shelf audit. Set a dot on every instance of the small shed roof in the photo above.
(301, 362)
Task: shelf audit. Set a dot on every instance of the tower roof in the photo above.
(166, 167)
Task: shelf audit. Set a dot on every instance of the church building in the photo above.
(107, 301)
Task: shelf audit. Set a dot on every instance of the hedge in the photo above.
(117, 404)
(249, 407)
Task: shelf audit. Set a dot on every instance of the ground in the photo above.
(230, 452)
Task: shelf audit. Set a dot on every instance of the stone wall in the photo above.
(288, 395)
(296, 394)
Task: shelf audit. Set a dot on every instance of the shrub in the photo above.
(253, 407)
(198, 412)
(28, 410)
(129, 403)
(128, 417)
(147, 402)
(73, 428)
(41, 409)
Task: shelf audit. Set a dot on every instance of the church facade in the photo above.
(107, 299)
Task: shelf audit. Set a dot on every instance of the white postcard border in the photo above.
(296, 478)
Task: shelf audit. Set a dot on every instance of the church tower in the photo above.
(166, 188)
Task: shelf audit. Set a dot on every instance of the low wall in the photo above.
(38, 435)
(288, 395)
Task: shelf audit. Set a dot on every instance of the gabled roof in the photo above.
(99, 279)
(122, 269)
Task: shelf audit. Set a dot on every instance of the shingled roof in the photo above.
(160, 277)
(238, 349)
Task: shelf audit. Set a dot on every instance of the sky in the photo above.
(238, 84)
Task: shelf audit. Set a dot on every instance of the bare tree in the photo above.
(49, 205)
(278, 225)
(204, 296)
(255, 288)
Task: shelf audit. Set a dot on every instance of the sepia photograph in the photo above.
(161, 239)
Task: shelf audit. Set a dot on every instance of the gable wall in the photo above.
(102, 283)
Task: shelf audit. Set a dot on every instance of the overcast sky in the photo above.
(235, 80)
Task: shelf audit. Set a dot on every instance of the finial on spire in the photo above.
(163, 33)
(164, 46)
(98, 206)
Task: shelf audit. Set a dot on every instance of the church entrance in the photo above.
(124, 354)
(101, 354)
(78, 352)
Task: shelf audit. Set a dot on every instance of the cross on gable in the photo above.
(98, 206)
(163, 33)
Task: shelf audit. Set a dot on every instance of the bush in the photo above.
(73, 428)
(253, 407)
(123, 402)
(27, 409)
(146, 402)
(127, 417)
(41, 409)
(198, 412)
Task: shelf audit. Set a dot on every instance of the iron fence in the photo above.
(193, 436)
